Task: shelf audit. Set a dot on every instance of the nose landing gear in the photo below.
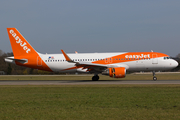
(154, 77)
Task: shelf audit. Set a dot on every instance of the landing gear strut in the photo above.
(154, 77)
(95, 78)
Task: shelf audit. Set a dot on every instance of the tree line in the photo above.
(13, 69)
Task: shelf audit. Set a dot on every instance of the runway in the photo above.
(84, 82)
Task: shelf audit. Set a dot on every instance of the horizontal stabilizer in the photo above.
(12, 60)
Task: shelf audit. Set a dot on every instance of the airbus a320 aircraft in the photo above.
(113, 64)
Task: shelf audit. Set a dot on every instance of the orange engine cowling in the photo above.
(118, 72)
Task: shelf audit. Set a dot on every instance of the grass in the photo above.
(127, 102)
(172, 76)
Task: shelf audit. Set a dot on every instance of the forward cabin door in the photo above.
(154, 60)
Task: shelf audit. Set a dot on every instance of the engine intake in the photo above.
(118, 72)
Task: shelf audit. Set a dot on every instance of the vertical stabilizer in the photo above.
(19, 44)
(24, 53)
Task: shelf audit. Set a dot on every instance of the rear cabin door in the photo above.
(39, 61)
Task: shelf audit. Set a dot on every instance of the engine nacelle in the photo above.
(118, 72)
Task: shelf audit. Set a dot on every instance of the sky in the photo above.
(89, 26)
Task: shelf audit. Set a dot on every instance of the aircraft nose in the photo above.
(175, 63)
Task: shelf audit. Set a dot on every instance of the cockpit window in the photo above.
(165, 58)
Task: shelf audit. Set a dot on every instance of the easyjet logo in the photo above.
(19, 41)
(138, 56)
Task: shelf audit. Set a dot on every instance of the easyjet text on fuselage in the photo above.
(138, 56)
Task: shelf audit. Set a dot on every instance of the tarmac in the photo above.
(84, 82)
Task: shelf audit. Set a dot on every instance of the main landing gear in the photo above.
(95, 78)
(154, 77)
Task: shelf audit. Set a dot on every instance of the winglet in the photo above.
(66, 56)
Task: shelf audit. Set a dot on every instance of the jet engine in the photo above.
(117, 72)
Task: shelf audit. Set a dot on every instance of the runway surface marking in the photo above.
(84, 82)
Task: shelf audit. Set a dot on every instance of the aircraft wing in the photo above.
(93, 67)
(86, 65)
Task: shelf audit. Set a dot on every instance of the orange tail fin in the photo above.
(24, 53)
(19, 44)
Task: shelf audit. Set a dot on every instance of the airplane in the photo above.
(114, 64)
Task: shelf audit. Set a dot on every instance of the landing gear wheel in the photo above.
(154, 78)
(95, 78)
